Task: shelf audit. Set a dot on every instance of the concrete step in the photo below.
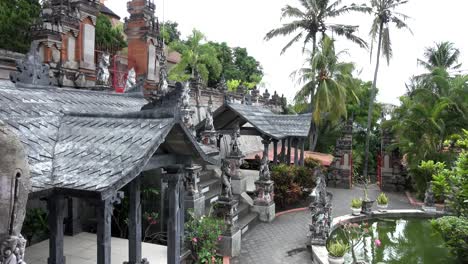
(243, 210)
(248, 222)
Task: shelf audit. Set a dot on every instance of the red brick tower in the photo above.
(142, 30)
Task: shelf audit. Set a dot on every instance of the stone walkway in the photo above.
(284, 240)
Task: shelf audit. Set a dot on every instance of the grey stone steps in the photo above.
(247, 222)
(243, 209)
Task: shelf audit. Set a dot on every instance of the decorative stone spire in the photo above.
(275, 99)
(222, 86)
(266, 95)
(185, 106)
(209, 135)
(321, 208)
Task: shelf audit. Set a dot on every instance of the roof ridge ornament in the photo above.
(30, 70)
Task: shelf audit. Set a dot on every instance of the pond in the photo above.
(401, 241)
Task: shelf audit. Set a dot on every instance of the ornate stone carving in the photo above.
(234, 146)
(80, 79)
(222, 86)
(209, 135)
(14, 188)
(131, 80)
(31, 70)
(103, 74)
(321, 211)
(191, 180)
(265, 169)
(226, 176)
(429, 199)
(185, 109)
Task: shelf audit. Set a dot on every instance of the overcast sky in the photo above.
(244, 23)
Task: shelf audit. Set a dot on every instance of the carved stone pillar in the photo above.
(104, 210)
(321, 209)
(194, 198)
(264, 203)
(235, 159)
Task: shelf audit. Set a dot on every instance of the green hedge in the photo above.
(454, 230)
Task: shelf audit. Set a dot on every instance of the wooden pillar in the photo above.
(174, 227)
(288, 158)
(73, 220)
(104, 221)
(56, 207)
(301, 161)
(266, 144)
(296, 151)
(275, 151)
(283, 150)
(134, 222)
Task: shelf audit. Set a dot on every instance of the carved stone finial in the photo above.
(266, 95)
(14, 188)
(222, 85)
(31, 70)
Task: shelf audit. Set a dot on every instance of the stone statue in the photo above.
(131, 80)
(209, 116)
(103, 74)
(226, 176)
(321, 211)
(265, 169)
(31, 70)
(14, 189)
(186, 95)
(80, 80)
(222, 86)
(429, 200)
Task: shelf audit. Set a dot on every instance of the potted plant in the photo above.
(336, 251)
(382, 202)
(356, 206)
(366, 203)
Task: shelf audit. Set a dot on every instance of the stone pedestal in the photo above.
(197, 204)
(429, 209)
(266, 213)
(264, 204)
(230, 243)
(239, 186)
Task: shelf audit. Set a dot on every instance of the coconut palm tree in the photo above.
(444, 55)
(310, 19)
(384, 16)
(329, 88)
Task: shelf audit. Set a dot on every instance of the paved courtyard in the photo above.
(284, 240)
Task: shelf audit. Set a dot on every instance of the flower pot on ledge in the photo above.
(367, 207)
(335, 260)
(382, 207)
(356, 211)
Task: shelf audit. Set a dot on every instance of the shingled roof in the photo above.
(83, 140)
(262, 119)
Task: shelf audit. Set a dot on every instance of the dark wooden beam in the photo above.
(275, 151)
(283, 150)
(174, 227)
(301, 161)
(134, 222)
(245, 131)
(160, 161)
(56, 206)
(288, 157)
(104, 218)
(296, 151)
(73, 222)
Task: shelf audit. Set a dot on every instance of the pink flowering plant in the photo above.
(203, 235)
(355, 233)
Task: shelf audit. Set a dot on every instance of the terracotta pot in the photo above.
(356, 211)
(335, 260)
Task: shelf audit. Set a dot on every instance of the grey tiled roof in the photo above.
(83, 140)
(270, 124)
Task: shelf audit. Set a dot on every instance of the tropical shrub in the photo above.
(203, 235)
(356, 203)
(423, 174)
(35, 226)
(337, 248)
(382, 199)
(454, 230)
(291, 183)
(311, 163)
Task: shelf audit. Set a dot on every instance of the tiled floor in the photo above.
(81, 249)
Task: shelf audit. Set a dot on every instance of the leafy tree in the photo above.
(16, 19)
(108, 37)
(308, 21)
(170, 32)
(384, 15)
(196, 57)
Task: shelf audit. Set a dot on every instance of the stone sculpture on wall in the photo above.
(131, 80)
(14, 189)
(31, 70)
(103, 74)
(226, 192)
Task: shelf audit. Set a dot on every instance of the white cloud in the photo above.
(244, 23)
